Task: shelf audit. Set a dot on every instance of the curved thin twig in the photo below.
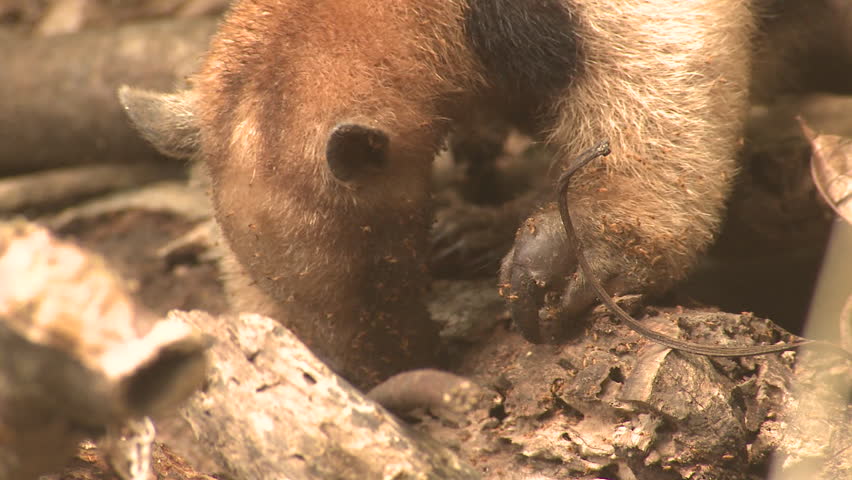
(601, 150)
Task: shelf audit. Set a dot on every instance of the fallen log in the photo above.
(58, 102)
(272, 410)
(62, 186)
(77, 356)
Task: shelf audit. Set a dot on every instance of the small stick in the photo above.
(601, 150)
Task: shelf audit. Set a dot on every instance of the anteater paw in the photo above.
(469, 240)
(542, 282)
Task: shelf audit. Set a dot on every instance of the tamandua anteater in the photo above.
(318, 121)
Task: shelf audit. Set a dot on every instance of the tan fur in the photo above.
(663, 80)
(666, 83)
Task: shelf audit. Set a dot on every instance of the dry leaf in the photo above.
(831, 169)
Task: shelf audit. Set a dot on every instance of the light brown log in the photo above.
(77, 355)
(58, 103)
(62, 186)
(272, 410)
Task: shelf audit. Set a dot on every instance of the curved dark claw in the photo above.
(456, 219)
(540, 262)
(488, 261)
(468, 239)
(453, 222)
(526, 297)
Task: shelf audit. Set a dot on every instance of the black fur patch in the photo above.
(529, 48)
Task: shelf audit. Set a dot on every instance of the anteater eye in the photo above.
(354, 150)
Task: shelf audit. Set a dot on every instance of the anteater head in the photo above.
(317, 123)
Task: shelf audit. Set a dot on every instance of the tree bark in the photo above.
(272, 410)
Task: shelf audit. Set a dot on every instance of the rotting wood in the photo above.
(90, 463)
(77, 355)
(272, 410)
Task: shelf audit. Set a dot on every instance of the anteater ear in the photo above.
(354, 150)
(167, 120)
